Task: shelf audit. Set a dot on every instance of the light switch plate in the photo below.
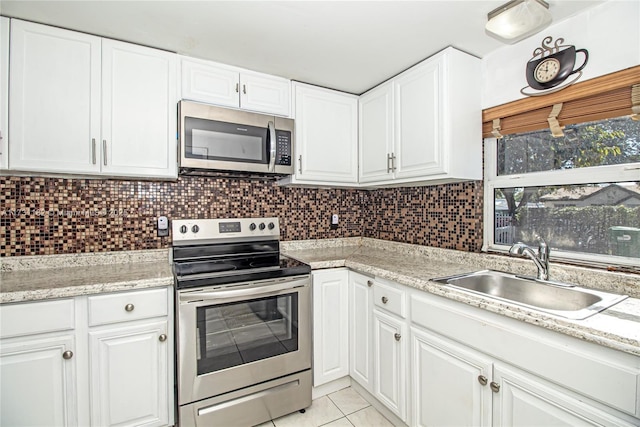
(163, 226)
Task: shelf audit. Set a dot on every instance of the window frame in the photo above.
(587, 175)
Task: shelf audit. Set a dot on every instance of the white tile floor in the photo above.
(344, 408)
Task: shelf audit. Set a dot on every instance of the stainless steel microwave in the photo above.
(222, 139)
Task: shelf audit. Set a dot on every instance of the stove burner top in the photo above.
(213, 255)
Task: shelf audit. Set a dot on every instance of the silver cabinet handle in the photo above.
(162, 338)
(393, 162)
(129, 307)
(300, 163)
(237, 87)
(385, 300)
(93, 150)
(495, 387)
(67, 355)
(397, 336)
(482, 379)
(272, 146)
(104, 151)
(244, 89)
(389, 163)
(369, 283)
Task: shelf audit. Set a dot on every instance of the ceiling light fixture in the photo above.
(518, 19)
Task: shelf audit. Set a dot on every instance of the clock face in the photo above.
(547, 70)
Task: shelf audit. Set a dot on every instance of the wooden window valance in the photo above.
(596, 99)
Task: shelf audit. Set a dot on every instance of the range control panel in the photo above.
(189, 230)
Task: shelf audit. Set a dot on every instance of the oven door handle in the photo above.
(235, 293)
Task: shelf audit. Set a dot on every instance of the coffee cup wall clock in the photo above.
(550, 68)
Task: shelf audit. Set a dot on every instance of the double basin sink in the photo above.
(559, 299)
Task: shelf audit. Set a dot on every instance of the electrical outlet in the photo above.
(163, 226)
(334, 221)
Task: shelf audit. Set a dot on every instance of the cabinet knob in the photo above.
(385, 300)
(397, 336)
(495, 387)
(129, 307)
(369, 283)
(482, 379)
(67, 355)
(162, 337)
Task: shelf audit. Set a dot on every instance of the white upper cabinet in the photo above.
(376, 128)
(218, 84)
(326, 134)
(424, 126)
(55, 99)
(419, 146)
(4, 92)
(139, 117)
(82, 104)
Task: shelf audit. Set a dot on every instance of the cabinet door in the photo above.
(139, 111)
(38, 384)
(55, 99)
(376, 134)
(360, 330)
(330, 326)
(525, 400)
(265, 94)
(128, 375)
(211, 84)
(326, 135)
(389, 342)
(4, 92)
(418, 125)
(449, 383)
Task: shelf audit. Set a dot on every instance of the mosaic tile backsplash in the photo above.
(44, 216)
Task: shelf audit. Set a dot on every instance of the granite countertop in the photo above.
(617, 327)
(61, 276)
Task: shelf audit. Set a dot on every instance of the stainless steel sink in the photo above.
(559, 299)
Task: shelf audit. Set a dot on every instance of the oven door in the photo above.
(237, 336)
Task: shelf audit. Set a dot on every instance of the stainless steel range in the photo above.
(243, 323)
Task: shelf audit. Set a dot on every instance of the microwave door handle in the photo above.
(272, 146)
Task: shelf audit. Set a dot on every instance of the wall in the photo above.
(40, 216)
(610, 32)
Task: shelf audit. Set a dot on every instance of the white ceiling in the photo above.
(345, 45)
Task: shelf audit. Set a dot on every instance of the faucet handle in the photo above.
(544, 250)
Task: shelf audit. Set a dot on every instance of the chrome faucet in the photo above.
(541, 259)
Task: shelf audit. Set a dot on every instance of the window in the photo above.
(579, 192)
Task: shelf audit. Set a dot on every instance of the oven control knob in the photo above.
(183, 229)
(252, 226)
(262, 226)
(195, 228)
(271, 226)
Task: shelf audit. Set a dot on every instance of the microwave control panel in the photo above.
(283, 148)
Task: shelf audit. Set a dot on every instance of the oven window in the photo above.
(242, 332)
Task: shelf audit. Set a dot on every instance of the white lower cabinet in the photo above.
(523, 400)
(447, 383)
(61, 368)
(464, 366)
(38, 381)
(360, 329)
(128, 381)
(389, 360)
(330, 325)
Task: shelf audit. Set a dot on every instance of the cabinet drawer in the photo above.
(122, 307)
(36, 317)
(390, 299)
